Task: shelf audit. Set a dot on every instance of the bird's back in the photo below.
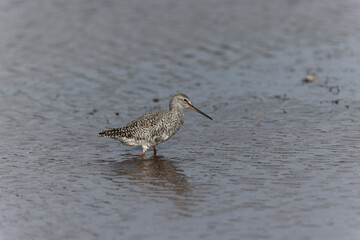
(151, 129)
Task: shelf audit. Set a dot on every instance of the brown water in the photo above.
(279, 161)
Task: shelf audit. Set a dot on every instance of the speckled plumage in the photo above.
(153, 128)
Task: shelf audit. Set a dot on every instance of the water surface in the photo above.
(279, 161)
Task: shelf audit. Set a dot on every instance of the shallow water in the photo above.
(279, 161)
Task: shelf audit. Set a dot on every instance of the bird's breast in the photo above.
(167, 127)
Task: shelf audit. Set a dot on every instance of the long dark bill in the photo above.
(194, 108)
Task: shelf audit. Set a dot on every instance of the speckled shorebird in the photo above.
(153, 128)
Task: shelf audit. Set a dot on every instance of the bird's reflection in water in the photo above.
(157, 171)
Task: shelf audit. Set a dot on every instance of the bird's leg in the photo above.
(154, 151)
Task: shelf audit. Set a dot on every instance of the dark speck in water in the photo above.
(93, 111)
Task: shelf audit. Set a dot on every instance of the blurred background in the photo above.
(279, 77)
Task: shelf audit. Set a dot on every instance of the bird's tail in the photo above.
(113, 132)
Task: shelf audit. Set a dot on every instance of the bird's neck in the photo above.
(179, 112)
(176, 109)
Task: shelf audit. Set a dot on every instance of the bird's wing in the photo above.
(135, 128)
